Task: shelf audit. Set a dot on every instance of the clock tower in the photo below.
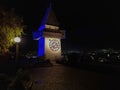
(49, 36)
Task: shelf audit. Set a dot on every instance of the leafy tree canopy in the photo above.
(11, 26)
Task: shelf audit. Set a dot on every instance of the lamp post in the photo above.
(17, 40)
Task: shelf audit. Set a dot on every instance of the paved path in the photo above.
(60, 77)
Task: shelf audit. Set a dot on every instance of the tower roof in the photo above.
(49, 18)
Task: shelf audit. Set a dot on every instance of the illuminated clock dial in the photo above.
(54, 44)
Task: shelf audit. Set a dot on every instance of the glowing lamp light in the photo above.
(17, 39)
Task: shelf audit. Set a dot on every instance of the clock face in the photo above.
(54, 44)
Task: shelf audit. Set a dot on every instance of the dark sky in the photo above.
(88, 23)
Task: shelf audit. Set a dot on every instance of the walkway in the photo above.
(59, 77)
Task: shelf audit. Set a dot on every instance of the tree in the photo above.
(11, 26)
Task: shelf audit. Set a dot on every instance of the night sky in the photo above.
(88, 24)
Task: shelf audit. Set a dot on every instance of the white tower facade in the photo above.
(49, 35)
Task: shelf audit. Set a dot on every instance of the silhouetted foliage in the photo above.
(11, 26)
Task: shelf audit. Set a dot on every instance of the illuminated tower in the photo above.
(49, 36)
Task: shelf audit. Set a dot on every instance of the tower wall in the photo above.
(41, 46)
(52, 48)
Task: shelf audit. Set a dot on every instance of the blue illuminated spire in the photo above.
(42, 26)
(49, 18)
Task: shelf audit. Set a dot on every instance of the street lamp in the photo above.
(17, 40)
